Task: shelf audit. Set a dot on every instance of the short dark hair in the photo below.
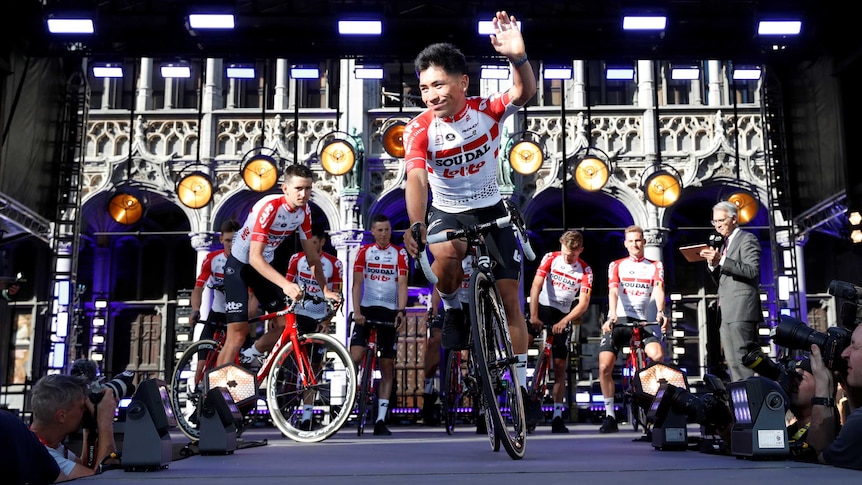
(443, 55)
(297, 170)
(230, 225)
(318, 231)
(379, 218)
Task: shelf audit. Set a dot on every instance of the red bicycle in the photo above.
(538, 383)
(301, 372)
(636, 361)
(366, 372)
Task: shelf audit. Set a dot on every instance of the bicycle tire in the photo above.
(187, 386)
(452, 389)
(334, 388)
(537, 387)
(497, 364)
(365, 378)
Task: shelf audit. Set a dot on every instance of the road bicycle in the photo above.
(636, 361)
(538, 383)
(491, 347)
(366, 371)
(313, 369)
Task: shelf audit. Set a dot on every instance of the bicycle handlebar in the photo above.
(377, 323)
(473, 232)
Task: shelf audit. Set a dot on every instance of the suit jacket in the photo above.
(739, 280)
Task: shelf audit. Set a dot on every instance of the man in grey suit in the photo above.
(736, 267)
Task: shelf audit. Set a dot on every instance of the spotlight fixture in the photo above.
(304, 72)
(393, 136)
(592, 168)
(194, 189)
(260, 170)
(525, 152)
(240, 383)
(557, 72)
(360, 27)
(127, 206)
(103, 70)
(746, 206)
(854, 217)
(338, 152)
(619, 72)
(662, 185)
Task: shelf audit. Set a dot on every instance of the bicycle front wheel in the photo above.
(452, 390)
(187, 385)
(311, 389)
(497, 364)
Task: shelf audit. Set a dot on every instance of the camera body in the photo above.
(782, 373)
(122, 385)
(795, 334)
(850, 311)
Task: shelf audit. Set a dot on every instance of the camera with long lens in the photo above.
(782, 373)
(122, 385)
(795, 334)
(710, 409)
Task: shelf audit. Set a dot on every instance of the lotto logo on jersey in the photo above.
(379, 277)
(463, 171)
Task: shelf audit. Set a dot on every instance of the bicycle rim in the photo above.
(330, 388)
(366, 375)
(452, 388)
(497, 365)
(187, 386)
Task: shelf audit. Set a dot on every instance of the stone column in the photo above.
(656, 238)
(281, 92)
(144, 96)
(347, 243)
(714, 83)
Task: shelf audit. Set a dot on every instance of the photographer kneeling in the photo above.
(845, 448)
(60, 404)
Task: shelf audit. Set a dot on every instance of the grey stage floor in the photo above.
(419, 455)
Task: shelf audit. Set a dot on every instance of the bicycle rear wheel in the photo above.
(497, 365)
(452, 390)
(329, 389)
(538, 383)
(366, 376)
(636, 413)
(187, 385)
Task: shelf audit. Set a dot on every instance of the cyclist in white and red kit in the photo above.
(310, 316)
(452, 147)
(271, 220)
(632, 283)
(560, 295)
(379, 293)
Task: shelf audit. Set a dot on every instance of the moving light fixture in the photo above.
(592, 168)
(127, 206)
(525, 153)
(854, 217)
(338, 152)
(661, 184)
(746, 206)
(392, 136)
(360, 27)
(260, 169)
(111, 70)
(193, 188)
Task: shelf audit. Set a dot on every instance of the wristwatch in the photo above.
(823, 401)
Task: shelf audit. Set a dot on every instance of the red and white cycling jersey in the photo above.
(460, 152)
(634, 280)
(381, 267)
(563, 281)
(212, 274)
(299, 272)
(270, 221)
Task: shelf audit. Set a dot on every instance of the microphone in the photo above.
(86, 369)
(715, 240)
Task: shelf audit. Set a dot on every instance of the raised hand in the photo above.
(507, 39)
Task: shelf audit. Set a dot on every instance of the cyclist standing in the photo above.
(309, 316)
(212, 276)
(632, 283)
(560, 295)
(452, 148)
(379, 293)
(271, 220)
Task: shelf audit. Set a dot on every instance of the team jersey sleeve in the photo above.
(403, 265)
(206, 270)
(305, 227)
(587, 281)
(359, 264)
(614, 274)
(263, 220)
(292, 266)
(415, 144)
(658, 279)
(337, 274)
(545, 265)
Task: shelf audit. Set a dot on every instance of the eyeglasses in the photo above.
(716, 222)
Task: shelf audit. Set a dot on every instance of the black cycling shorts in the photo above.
(549, 317)
(238, 279)
(622, 336)
(387, 336)
(501, 242)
